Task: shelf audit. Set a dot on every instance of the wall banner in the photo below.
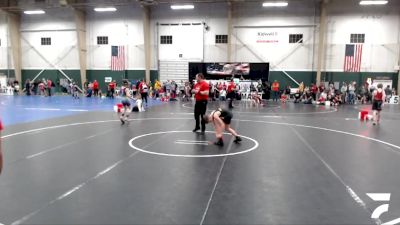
(267, 37)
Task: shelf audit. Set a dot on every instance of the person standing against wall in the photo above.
(157, 88)
(388, 93)
(49, 85)
(111, 87)
(95, 88)
(144, 90)
(314, 91)
(275, 90)
(201, 91)
(28, 87)
(352, 93)
(85, 86)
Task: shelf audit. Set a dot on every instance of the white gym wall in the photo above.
(5, 59)
(59, 25)
(122, 28)
(381, 26)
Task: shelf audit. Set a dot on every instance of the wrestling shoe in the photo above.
(220, 142)
(237, 140)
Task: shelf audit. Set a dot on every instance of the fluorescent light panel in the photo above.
(275, 4)
(177, 7)
(108, 9)
(373, 2)
(34, 12)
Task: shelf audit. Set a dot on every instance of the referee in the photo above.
(201, 91)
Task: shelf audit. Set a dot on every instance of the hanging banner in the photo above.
(267, 37)
(385, 83)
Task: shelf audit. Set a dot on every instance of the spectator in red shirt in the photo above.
(275, 90)
(314, 91)
(1, 153)
(201, 91)
(224, 86)
(321, 87)
(231, 93)
(95, 88)
(111, 87)
(144, 90)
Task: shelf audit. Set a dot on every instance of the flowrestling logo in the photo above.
(383, 198)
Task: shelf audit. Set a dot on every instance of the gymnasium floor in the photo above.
(71, 162)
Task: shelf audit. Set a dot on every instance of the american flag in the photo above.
(352, 58)
(117, 58)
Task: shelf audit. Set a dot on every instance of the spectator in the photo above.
(144, 89)
(111, 89)
(16, 87)
(28, 87)
(297, 97)
(259, 86)
(89, 90)
(388, 93)
(267, 90)
(275, 90)
(86, 85)
(287, 92)
(363, 97)
(188, 93)
(337, 100)
(314, 91)
(211, 94)
(352, 94)
(330, 98)
(343, 91)
(74, 90)
(157, 88)
(42, 88)
(134, 88)
(182, 89)
(301, 88)
(174, 87)
(308, 98)
(95, 88)
(49, 86)
(35, 87)
(222, 95)
(321, 88)
(168, 87)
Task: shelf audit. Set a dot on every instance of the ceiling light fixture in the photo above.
(373, 2)
(108, 9)
(178, 7)
(275, 4)
(34, 12)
